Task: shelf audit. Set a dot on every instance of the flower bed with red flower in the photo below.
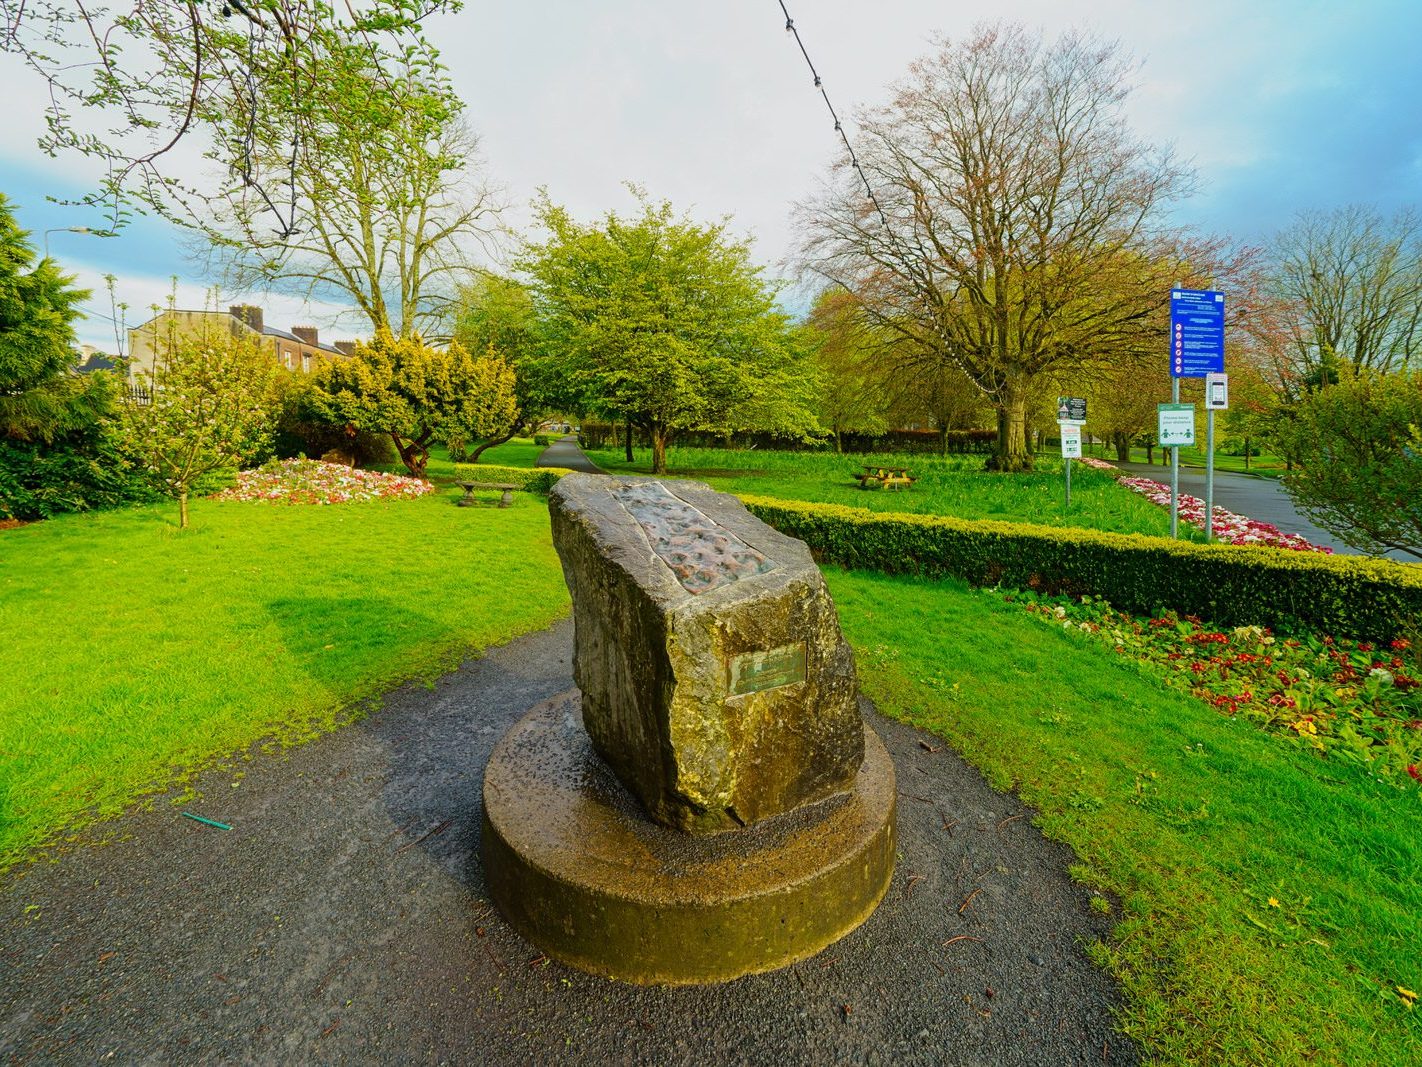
(1230, 528)
(310, 481)
(1350, 700)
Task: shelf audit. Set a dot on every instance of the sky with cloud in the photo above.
(1281, 106)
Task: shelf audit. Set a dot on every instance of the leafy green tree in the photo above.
(415, 393)
(40, 397)
(495, 314)
(1359, 448)
(853, 397)
(56, 453)
(667, 324)
(208, 408)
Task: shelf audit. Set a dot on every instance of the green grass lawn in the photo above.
(1266, 466)
(130, 654)
(952, 485)
(1271, 902)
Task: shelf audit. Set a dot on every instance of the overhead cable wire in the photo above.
(838, 125)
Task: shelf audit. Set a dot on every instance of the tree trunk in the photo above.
(942, 439)
(415, 454)
(1246, 453)
(493, 441)
(839, 442)
(659, 449)
(183, 510)
(1122, 442)
(1011, 453)
(629, 439)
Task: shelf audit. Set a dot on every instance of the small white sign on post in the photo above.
(1216, 391)
(1175, 426)
(1071, 440)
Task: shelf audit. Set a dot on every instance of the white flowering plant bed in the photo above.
(312, 481)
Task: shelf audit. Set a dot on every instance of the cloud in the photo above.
(1280, 105)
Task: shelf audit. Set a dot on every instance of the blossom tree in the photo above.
(207, 409)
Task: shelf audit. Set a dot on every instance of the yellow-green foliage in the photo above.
(531, 480)
(1228, 584)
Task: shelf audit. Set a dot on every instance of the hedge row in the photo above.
(1230, 585)
(527, 479)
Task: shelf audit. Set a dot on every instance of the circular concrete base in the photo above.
(577, 867)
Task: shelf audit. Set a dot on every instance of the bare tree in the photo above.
(1349, 287)
(1015, 225)
(343, 165)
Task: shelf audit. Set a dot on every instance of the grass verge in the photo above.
(947, 485)
(1271, 902)
(130, 654)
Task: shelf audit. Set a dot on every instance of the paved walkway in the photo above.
(1257, 498)
(565, 452)
(344, 919)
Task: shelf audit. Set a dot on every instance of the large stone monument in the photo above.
(710, 804)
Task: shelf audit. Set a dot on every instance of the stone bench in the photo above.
(468, 501)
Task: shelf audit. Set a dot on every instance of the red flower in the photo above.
(1412, 770)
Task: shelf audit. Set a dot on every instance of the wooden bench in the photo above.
(468, 501)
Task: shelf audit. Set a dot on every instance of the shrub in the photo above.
(1228, 584)
(40, 481)
(300, 433)
(542, 440)
(534, 480)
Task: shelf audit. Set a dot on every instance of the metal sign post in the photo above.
(1071, 414)
(1197, 319)
(1071, 449)
(1175, 426)
(1216, 399)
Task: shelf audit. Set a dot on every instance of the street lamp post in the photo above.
(62, 229)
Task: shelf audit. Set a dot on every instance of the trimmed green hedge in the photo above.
(1230, 585)
(528, 479)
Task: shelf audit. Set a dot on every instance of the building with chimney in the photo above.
(299, 350)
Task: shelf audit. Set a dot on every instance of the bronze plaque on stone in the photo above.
(755, 672)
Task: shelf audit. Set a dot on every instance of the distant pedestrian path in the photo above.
(1257, 498)
(565, 453)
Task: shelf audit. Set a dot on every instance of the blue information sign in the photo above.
(1197, 319)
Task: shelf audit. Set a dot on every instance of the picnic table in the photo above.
(468, 501)
(875, 475)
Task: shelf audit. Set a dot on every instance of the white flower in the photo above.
(1384, 676)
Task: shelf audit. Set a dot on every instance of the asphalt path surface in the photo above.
(1258, 498)
(565, 452)
(344, 919)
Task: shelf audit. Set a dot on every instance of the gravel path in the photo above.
(343, 919)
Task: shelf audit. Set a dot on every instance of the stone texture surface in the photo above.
(716, 683)
(577, 868)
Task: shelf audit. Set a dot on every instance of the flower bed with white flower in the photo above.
(311, 481)
(1230, 528)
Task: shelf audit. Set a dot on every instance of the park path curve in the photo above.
(1254, 497)
(566, 453)
(343, 919)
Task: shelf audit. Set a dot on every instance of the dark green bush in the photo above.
(542, 440)
(1230, 585)
(40, 481)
